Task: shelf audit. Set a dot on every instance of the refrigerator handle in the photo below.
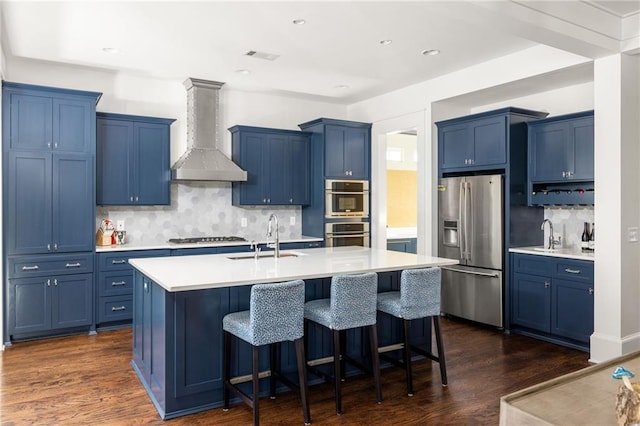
(468, 222)
(461, 215)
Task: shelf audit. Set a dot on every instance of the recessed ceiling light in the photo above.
(299, 22)
(386, 42)
(243, 72)
(430, 52)
(110, 50)
(341, 87)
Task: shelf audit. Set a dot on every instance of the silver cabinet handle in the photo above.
(136, 198)
(73, 265)
(49, 247)
(131, 198)
(118, 308)
(30, 268)
(118, 283)
(590, 290)
(145, 285)
(55, 282)
(572, 271)
(290, 200)
(48, 283)
(55, 246)
(118, 262)
(546, 284)
(48, 144)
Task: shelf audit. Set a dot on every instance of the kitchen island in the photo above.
(179, 304)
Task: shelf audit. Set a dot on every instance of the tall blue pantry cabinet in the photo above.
(48, 142)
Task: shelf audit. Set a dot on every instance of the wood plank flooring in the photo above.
(88, 380)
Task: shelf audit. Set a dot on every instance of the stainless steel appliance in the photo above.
(346, 198)
(470, 228)
(338, 234)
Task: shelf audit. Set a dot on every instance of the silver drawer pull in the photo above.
(573, 271)
(118, 262)
(118, 283)
(118, 308)
(73, 265)
(30, 268)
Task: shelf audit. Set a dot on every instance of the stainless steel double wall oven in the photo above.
(346, 213)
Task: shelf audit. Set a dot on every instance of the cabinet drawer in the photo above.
(115, 308)
(27, 266)
(119, 261)
(574, 270)
(115, 283)
(532, 264)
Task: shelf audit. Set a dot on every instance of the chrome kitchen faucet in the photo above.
(552, 241)
(276, 244)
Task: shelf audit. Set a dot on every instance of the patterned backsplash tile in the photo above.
(568, 222)
(199, 209)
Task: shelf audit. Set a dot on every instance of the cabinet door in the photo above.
(113, 162)
(356, 153)
(334, 165)
(31, 123)
(454, 145)
(72, 125)
(489, 138)
(71, 300)
(73, 201)
(252, 160)
(548, 152)
(531, 302)
(151, 175)
(572, 309)
(277, 186)
(582, 149)
(300, 170)
(29, 305)
(28, 185)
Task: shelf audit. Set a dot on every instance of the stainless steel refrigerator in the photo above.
(470, 228)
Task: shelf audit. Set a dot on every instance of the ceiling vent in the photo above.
(262, 55)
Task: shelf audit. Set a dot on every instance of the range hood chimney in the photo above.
(203, 159)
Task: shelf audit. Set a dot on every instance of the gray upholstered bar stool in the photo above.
(352, 305)
(419, 297)
(275, 315)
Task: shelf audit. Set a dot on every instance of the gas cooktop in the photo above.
(196, 240)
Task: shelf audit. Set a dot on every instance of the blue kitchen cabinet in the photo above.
(48, 119)
(277, 163)
(478, 141)
(552, 299)
(561, 148)
(405, 245)
(49, 198)
(133, 160)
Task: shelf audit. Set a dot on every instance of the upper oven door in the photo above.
(347, 199)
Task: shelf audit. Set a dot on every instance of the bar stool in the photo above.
(419, 297)
(275, 315)
(352, 305)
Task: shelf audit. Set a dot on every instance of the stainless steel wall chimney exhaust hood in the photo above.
(203, 159)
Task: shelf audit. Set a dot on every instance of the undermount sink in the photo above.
(260, 255)
(547, 250)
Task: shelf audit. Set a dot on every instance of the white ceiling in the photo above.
(338, 46)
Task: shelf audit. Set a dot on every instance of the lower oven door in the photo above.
(341, 240)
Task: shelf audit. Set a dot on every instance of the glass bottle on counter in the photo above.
(592, 237)
(586, 237)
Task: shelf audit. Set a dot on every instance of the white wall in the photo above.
(2, 74)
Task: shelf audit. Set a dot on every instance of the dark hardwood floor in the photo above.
(88, 380)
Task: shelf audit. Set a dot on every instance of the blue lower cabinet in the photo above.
(405, 245)
(552, 298)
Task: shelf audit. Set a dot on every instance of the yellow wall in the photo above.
(402, 196)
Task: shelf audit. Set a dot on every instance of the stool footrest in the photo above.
(424, 353)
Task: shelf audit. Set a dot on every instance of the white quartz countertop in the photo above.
(567, 253)
(167, 245)
(182, 273)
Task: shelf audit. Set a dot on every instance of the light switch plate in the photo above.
(632, 234)
(120, 225)
(243, 222)
(292, 220)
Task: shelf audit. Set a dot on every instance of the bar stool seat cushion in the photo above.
(419, 295)
(276, 314)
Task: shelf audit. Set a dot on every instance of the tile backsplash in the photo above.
(199, 209)
(568, 222)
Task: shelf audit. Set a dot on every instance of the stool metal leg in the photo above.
(302, 378)
(343, 352)
(375, 359)
(337, 369)
(441, 361)
(256, 385)
(407, 355)
(273, 366)
(227, 369)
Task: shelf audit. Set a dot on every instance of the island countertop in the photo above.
(221, 270)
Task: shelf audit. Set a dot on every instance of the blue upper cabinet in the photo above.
(49, 119)
(345, 148)
(561, 148)
(477, 142)
(277, 163)
(133, 160)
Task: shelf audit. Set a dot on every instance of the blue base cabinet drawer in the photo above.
(115, 308)
(29, 266)
(115, 283)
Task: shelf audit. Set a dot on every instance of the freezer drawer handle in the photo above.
(482, 274)
(572, 271)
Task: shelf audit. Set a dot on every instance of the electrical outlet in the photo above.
(292, 220)
(120, 225)
(243, 222)
(632, 234)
